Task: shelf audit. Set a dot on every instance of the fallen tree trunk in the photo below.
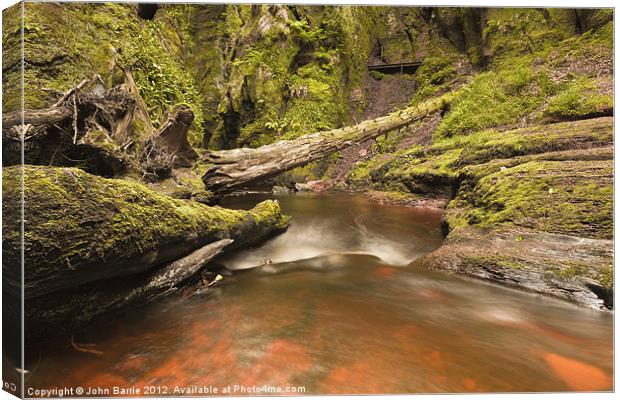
(236, 168)
(81, 228)
(71, 309)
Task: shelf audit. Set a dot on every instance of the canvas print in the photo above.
(263, 199)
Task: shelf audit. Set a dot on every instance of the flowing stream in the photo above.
(334, 306)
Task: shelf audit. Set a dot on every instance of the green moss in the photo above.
(394, 197)
(570, 197)
(291, 73)
(161, 78)
(365, 174)
(453, 160)
(291, 100)
(190, 185)
(495, 99)
(580, 99)
(377, 75)
(513, 32)
(100, 140)
(434, 75)
(539, 69)
(606, 277)
(499, 260)
(11, 58)
(359, 176)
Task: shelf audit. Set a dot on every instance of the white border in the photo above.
(472, 3)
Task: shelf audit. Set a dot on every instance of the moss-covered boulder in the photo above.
(80, 228)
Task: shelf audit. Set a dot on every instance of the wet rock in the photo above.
(280, 190)
(312, 186)
(568, 267)
(301, 187)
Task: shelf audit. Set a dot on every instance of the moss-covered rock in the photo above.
(576, 269)
(582, 98)
(288, 71)
(568, 197)
(531, 207)
(80, 228)
(449, 160)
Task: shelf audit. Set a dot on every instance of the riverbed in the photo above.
(337, 304)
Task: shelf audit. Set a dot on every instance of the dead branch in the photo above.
(236, 168)
(77, 88)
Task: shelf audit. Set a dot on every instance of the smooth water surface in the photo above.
(332, 306)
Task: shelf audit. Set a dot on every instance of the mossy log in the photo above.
(236, 168)
(68, 310)
(81, 228)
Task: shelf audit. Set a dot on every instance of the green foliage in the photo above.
(496, 99)
(306, 34)
(315, 98)
(161, 79)
(282, 86)
(65, 43)
(376, 75)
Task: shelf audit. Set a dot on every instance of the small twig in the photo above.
(83, 348)
(76, 88)
(126, 145)
(54, 155)
(75, 115)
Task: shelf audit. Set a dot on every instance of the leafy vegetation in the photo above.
(66, 43)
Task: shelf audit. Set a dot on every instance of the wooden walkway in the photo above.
(398, 68)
